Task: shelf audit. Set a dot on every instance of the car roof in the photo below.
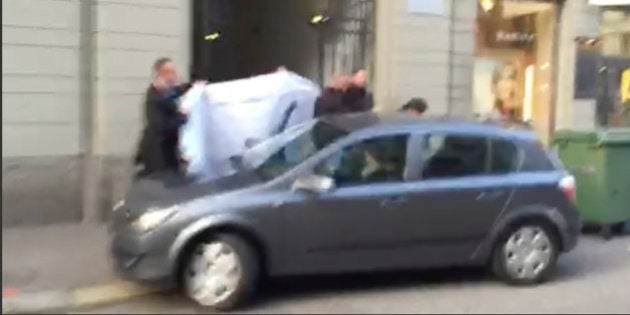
(374, 122)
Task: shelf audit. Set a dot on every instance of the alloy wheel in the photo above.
(528, 252)
(214, 273)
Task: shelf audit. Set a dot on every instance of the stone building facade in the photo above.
(74, 73)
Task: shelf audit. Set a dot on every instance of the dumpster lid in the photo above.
(575, 135)
(615, 136)
(600, 137)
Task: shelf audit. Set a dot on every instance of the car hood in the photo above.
(168, 189)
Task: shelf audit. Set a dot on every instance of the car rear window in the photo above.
(537, 159)
(453, 156)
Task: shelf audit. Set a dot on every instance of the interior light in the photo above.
(528, 102)
(212, 37)
(319, 19)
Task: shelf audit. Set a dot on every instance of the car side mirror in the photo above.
(314, 183)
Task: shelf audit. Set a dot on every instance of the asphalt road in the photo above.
(595, 278)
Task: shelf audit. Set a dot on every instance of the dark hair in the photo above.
(159, 63)
(417, 104)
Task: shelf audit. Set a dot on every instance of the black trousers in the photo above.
(157, 154)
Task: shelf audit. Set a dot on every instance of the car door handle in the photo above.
(490, 195)
(393, 201)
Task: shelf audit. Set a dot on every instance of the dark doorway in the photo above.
(239, 38)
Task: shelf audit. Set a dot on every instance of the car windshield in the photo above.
(276, 155)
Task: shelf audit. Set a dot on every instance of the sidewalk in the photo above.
(59, 267)
(55, 257)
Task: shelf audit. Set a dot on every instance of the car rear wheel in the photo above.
(221, 272)
(526, 254)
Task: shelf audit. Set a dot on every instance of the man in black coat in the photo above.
(158, 149)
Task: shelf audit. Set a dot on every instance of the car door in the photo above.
(455, 198)
(351, 227)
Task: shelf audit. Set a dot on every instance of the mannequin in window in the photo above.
(504, 87)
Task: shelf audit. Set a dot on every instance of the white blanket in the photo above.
(223, 116)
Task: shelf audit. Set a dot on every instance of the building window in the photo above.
(613, 97)
(615, 31)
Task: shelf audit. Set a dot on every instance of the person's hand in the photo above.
(333, 83)
(340, 82)
(359, 79)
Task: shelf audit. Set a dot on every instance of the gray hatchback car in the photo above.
(353, 193)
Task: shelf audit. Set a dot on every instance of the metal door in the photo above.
(348, 43)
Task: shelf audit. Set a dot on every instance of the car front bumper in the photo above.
(135, 257)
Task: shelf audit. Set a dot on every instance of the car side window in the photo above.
(375, 160)
(505, 156)
(452, 156)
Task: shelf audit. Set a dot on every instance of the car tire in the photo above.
(619, 228)
(526, 254)
(221, 272)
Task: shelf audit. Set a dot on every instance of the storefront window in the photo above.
(615, 31)
(513, 60)
(614, 89)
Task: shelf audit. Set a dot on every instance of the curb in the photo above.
(58, 300)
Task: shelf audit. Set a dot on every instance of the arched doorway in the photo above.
(240, 38)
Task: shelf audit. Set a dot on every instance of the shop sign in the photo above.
(518, 33)
(508, 37)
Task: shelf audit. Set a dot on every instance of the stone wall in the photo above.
(72, 92)
(41, 164)
(41, 190)
(429, 56)
(40, 78)
(130, 35)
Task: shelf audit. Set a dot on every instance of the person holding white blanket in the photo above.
(225, 118)
(157, 150)
(345, 94)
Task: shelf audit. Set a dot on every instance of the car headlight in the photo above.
(153, 219)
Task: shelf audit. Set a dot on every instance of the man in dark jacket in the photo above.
(158, 149)
(345, 94)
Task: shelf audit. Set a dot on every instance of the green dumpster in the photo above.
(600, 162)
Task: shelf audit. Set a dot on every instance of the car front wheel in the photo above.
(221, 272)
(526, 254)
